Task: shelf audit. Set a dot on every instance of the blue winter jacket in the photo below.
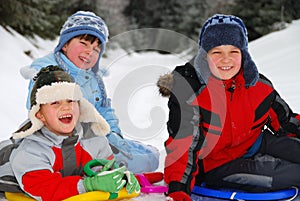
(91, 85)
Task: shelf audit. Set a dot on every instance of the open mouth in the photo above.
(225, 68)
(67, 118)
(84, 60)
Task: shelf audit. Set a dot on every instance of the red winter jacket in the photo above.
(217, 122)
(48, 167)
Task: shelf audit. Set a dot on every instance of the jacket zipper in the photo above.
(231, 89)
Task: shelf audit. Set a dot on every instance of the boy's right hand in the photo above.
(109, 181)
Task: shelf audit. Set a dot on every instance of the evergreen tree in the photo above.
(28, 16)
(184, 17)
(263, 16)
(62, 9)
(291, 9)
(45, 18)
(145, 13)
(112, 12)
(41, 17)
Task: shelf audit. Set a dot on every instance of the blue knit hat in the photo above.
(225, 30)
(83, 22)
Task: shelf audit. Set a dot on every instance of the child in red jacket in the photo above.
(227, 124)
(65, 132)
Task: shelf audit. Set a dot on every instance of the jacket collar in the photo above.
(47, 137)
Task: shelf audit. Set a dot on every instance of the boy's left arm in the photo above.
(283, 120)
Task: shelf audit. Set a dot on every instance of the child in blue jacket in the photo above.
(82, 42)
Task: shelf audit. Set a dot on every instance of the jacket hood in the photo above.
(165, 82)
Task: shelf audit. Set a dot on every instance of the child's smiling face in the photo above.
(224, 61)
(82, 53)
(60, 117)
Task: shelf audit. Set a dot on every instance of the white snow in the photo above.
(131, 82)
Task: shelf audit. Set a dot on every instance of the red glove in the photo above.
(179, 196)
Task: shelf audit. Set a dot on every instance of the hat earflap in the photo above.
(88, 113)
(251, 73)
(36, 124)
(201, 66)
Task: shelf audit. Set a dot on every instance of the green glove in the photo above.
(106, 165)
(109, 181)
(132, 183)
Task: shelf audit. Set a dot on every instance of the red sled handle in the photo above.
(154, 177)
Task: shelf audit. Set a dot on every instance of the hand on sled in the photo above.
(109, 181)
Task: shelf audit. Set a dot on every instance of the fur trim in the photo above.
(36, 124)
(165, 84)
(58, 91)
(88, 113)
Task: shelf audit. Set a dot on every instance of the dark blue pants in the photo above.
(275, 166)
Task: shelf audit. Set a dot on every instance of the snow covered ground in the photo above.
(131, 82)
